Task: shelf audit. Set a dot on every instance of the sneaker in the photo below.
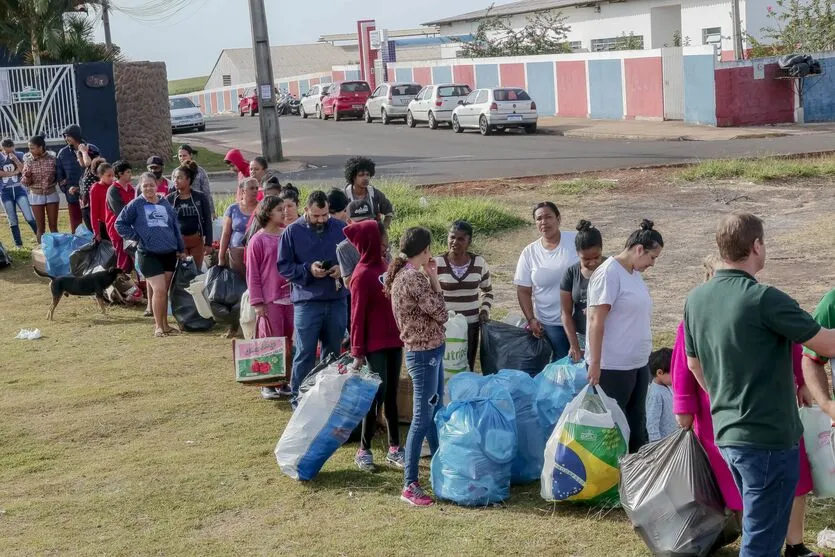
(415, 496)
(800, 550)
(364, 461)
(284, 391)
(269, 393)
(396, 457)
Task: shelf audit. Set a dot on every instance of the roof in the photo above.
(504, 10)
(296, 59)
(392, 33)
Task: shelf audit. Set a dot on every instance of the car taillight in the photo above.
(494, 106)
(439, 102)
(533, 105)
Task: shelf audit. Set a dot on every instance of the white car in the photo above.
(185, 115)
(312, 100)
(390, 101)
(435, 103)
(496, 109)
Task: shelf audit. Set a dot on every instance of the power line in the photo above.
(156, 11)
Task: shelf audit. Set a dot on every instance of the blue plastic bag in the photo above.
(477, 446)
(58, 247)
(556, 386)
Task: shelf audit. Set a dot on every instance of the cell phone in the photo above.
(326, 265)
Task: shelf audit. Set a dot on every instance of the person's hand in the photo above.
(182, 255)
(260, 310)
(73, 190)
(221, 261)
(685, 421)
(317, 271)
(483, 316)
(828, 408)
(594, 374)
(207, 250)
(535, 327)
(575, 353)
(431, 268)
(804, 397)
(84, 148)
(358, 363)
(335, 272)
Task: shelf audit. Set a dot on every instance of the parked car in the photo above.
(495, 109)
(434, 104)
(346, 98)
(311, 101)
(248, 102)
(185, 115)
(390, 101)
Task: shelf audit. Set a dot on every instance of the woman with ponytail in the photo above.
(418, 304)
(619, 336)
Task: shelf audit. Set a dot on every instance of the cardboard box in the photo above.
(404, 399)
(39, 260)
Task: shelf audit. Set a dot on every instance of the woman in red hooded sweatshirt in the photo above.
(237, 162)
(119, 194)
(375, 338)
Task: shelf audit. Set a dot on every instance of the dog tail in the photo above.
(41, 274)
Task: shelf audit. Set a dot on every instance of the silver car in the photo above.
(185, 115)
(495, 109)
(435, 103)
(312, 100)
(390, 101)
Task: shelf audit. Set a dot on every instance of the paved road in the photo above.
(424, 156)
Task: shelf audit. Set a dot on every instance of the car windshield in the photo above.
(405, 90)
(454, 91)
(510, 95)
(325, 89)
(355, 87)
(176, 104)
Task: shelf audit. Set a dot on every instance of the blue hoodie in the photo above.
(299, 248)
(154, 225)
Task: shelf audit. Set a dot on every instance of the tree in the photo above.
(796, 26)
(544, 33)
(629, 42)
(77, 44)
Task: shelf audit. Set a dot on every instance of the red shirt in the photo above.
(98, 204)
(127, 195)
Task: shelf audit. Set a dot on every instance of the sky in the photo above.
(190, 41)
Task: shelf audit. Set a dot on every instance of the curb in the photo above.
(644, 137)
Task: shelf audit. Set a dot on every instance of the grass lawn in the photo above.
(118, 443)
(211, 161)
(187, 85)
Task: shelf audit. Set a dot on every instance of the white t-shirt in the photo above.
(542, 270)
(627, 335)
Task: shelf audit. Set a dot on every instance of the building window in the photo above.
(712, 35)
(227, 80)
(624, 42)
(575, 46)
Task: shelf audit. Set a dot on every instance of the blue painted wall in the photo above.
(605, 89)
(699, 89)
(304, 86)
(819, 94)
(541, 87)
(352, 75)
(442, 74)
(486, 76)
(403, 74)
(284, 85)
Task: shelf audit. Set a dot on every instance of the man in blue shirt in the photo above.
(12, 193)
(68, 171)
(307, 259)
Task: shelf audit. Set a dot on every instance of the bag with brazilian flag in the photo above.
(581, 457)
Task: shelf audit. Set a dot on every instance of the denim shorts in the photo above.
(37, 199)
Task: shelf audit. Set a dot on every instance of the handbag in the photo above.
(261, 361)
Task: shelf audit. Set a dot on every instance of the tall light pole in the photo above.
(270, 132)
(105, 19)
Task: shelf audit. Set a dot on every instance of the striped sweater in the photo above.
(461, 294)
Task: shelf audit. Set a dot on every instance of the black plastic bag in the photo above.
(92, 257)
(504, 346)
(671, 496)
(5, 260)
(182, 302)
(224, 289)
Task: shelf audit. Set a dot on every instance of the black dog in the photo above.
(93, 284)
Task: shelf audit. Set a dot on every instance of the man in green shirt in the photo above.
(738, 337)
(813, 371)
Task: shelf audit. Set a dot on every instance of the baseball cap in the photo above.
(359, 210)
(155, 161)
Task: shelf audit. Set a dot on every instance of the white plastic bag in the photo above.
(248, 317)
(819, 438)
(197, 289)
(455, 354)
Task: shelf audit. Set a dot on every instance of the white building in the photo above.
(599, 25)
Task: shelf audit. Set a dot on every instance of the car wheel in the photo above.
(384, 116)
(251, 112)
(530, 129)
(336, 115)
(324, 115)
(433, 124)
(242, 112)
(410, 120)
(483, 126)
(456, 126)
(302, 113)
(201, 128)
(368, 118)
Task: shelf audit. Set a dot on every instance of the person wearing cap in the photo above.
(12, 193)
(68, 170)
(90, 159)
(185, 154)
(156, 166)
(347, 254)
(358, 174)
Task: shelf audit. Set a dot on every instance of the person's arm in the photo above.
(206, 221)
(60, 173)
(26, 177)
(225, 239)
(288, 267)
(595, 323)
(254, 254)
(359, 311)
(172, 215)
(96, 211)
(430, 300)
(814, 375)
(685, 387)
(384, 208)
(567, 315)
(114, 200)
(486, 287)
(655, 407)
(695, 366)
(124, 222)
(524, 293)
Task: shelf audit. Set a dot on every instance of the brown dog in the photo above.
(93, 284)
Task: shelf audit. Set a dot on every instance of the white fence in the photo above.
(38, 100)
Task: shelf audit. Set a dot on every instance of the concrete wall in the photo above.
(819, 94)
(226, 67)
(743, 100)
(142, 110)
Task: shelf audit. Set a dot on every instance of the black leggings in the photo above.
(629, 389)
(385, 363)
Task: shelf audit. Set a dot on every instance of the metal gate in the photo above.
(38, 100)
(672, 67)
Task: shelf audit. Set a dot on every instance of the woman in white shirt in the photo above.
(618, 336)
(538, 276)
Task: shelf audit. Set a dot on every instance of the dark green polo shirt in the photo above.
(742, 333)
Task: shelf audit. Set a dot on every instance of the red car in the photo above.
(346, 98)
(248, 102)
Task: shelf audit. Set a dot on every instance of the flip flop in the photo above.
(159, 333)
(172, 331)
(148, 313)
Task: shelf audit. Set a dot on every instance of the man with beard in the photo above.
(307, 259)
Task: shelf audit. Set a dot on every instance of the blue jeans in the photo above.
(16, 196)
(426, 368)
(767, 480)
(558, 339)
(315, 321)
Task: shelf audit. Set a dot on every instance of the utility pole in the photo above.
(105, 19)
(270, 132)
(739, 53)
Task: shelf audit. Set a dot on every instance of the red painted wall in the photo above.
(294, 88)
(213, 99)
(227, 98)
(571, 89)
(464, 74)
(338, 76)
(422, 75)
(390, 74)
(512, 75)
(644, 88)
(314, 81)
(742, 100)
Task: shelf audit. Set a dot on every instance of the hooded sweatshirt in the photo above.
(154, 225)
(68, 170)
(237, 159)
(373, 327)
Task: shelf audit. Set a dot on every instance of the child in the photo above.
(660, 419)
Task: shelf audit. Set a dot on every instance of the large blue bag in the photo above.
(58, 247)
(477, 445)
(556, 386)
(334, 405)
